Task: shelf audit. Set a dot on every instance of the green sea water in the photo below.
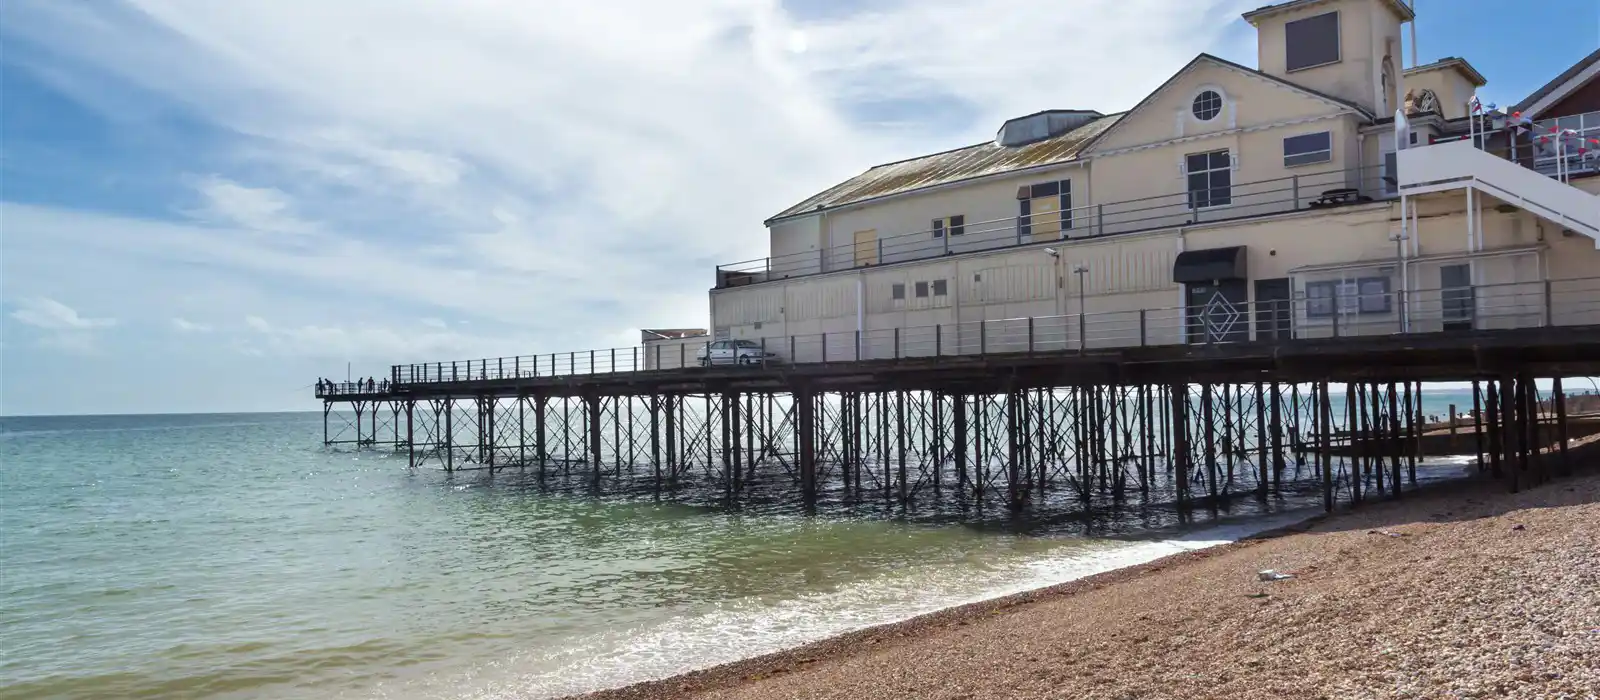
(232, 556)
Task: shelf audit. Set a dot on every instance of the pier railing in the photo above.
(1523, 305)
(1239, 200)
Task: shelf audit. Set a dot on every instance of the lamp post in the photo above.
(1399, 237)
(1079, 270)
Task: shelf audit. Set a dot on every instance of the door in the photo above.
(1274, 309)
(1218, 311)
(866, 247)
(1457, 297)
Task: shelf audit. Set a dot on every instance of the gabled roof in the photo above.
(1208, 58)
(1397, 6)
(1554, 91)
(1459, 64)
(980, 160)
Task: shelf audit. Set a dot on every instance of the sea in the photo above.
(233, 556)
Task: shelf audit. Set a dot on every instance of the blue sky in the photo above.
(204, 206)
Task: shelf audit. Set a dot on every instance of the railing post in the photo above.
(613, 359)
(763, 351)
(824, 347)
(1030, 334)
(1100, 219)
(792, 357)
(1405, 315)
(683, 355)
(858, 345)
(455, 375)
(822, 260)
(1549, 307)
(983, 338)
(572, 362)
(1336, 316)
(1295, 187)
(896, 342)
(947, 242)
(1143, 337)
(591, 362)
(938, 340)
(880, 251)
(634, 361)
(1082, 328)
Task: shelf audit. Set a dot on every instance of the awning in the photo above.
(1210, 264)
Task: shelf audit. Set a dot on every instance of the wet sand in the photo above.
(1464, 591)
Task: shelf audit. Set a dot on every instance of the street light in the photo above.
(1399, 238)
(1079, 270)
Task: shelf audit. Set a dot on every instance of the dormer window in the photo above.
(1311, 42)
(1207, 105)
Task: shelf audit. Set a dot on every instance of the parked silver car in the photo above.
(734, 352)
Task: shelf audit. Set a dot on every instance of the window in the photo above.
(1311, 42)
(1391, 173)
(1207, 105)
(954, 225)
(897, 291)
(940, 288)
(1210, 179)
(1367, 295)
(922, 290)
(1374, 295)
(1044, 209)
(1306, 149)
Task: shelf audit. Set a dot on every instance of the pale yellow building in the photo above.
(1231, 204)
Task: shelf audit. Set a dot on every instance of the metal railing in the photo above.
(1573, 302)
(357, 388)
(1559, 147)
(1240, 200)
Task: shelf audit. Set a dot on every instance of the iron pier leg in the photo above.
(1559, 397)
(805, 425)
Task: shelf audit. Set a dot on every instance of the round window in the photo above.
(1207, 105)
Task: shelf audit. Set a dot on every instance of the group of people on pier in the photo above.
(368, 385)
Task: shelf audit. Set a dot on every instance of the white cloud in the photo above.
(263, 209)
(186, 326)
(370, 342)
(62, 327)
(53, 315)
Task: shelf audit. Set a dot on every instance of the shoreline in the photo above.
(843, 654)
(862, 640)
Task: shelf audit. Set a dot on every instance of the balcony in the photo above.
(1243, 200)
(1561, 148)
(1435, 312)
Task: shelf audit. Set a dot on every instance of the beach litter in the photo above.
(1386, 533)
(1272, 575)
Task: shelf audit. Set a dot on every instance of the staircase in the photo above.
(1459, 164)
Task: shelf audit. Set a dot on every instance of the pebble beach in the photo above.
(1465, 591)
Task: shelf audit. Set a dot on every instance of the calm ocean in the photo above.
(232, 556)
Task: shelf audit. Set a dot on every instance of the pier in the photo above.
(1012, 414)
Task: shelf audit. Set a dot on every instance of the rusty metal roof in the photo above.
(976, 161)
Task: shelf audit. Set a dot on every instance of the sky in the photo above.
(204, 206)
